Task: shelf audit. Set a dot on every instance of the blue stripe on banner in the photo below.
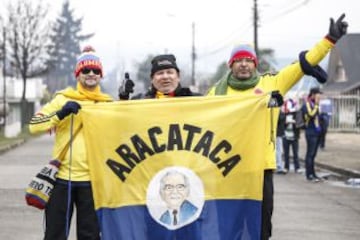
(219, 220)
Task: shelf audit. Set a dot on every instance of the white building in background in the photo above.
(14, 89)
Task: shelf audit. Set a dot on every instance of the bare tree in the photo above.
(3, 105)
(27, 38)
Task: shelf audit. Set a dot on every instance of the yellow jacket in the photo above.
(47, 120)
(282, 81)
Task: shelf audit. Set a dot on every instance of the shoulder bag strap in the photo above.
(66, 147)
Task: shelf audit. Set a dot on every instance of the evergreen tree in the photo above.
(144, 69)
(266, 60)
(65, 37)
(221, 70)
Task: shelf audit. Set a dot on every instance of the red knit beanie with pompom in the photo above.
(88, 59)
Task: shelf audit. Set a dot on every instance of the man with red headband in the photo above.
(73, 172)
(243, 78)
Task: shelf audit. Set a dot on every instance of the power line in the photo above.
(289, 10)
(229, 39)
(255, 24)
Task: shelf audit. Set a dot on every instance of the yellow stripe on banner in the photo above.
(219, 142)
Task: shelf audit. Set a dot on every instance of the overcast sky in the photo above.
(127, 31)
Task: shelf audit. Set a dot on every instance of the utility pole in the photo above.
(193, 55)
(256, 18)
(4, 75)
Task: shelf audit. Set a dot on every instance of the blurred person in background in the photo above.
(325, 116)
(291, 135)
(311, 112)
(280, 131)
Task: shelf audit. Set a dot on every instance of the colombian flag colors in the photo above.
(180, 168)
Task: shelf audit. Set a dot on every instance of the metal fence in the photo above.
(345, 115)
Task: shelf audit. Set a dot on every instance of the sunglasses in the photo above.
(96, 71)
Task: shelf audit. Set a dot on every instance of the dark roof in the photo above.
(346, 50)
(340, 87)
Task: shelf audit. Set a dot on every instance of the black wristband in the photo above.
(60, 114)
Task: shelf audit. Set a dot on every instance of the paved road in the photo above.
(303, 210)
(323, 211)
(17, 167)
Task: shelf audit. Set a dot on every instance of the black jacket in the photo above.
(281, 125)
(179, 92)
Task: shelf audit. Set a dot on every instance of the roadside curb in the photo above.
(5, 148)
(342, 171)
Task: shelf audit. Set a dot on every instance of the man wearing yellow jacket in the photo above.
(244, 79)
(74, 172)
